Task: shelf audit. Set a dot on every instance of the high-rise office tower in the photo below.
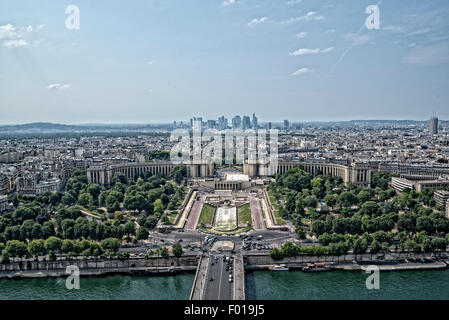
(246, 123)
(286, 124)
(433, 125)
(222, 123)
(254, 122)
(237, 122)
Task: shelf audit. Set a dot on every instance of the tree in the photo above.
(68, 246)
(85, 199)
(319, 227)
(130, 228)
(15, 248)
(376, 246)
(163, 251)
(439, 243)
(119, 177)
(52, 244)
(151, 222)
(158, 206)
(68, 199)
(370, 208)
(94, 190)
(300, 232)
(288, 249)
(142, 233)
(36, 247)
(424, 223)
(111, 244)
(364, 196)
(177, 250)
(275, 254)
(360, 246)
(340, 225)
(347, 199)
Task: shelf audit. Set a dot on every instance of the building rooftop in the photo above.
(237, 177)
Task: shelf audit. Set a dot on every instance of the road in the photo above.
(220, 288)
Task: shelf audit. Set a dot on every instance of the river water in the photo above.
(260, 285)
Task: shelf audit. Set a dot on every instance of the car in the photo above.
(162, 240)
(180, 240)
(230, 280)
(211, 279)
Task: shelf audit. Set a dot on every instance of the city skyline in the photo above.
(152, 61)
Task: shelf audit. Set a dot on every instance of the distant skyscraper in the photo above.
(286, 124)
(433, 125)
(237, 122)
(222, 123)
(254, 124)
(269, 125)
(246, 123)
(198, 124)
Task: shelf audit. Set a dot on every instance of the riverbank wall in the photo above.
(189, 263)
(98, 267)
(386, 261)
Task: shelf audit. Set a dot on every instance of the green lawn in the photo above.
(207, 214)
(172, 217)
(244, 214)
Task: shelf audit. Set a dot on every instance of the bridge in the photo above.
(212, 278)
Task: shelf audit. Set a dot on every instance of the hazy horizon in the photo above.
(204, 119)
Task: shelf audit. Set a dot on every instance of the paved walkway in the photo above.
(195, 213)
(185, 212)
(256, 215)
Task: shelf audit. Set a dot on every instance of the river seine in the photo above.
(260, 285)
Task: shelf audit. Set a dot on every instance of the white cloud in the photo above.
(58, 86)
(301, 71)
(301, 35)
(29, 29)
(229, 2)
(419, 32)
(151, 62)
(306, 51)
(311, 15)
(427, 56)
(357, 39)
(294, 1)
(8, 31)
(394, 29)
(15, 43)
(257, 21)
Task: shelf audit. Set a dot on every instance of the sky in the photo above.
(152, 61)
